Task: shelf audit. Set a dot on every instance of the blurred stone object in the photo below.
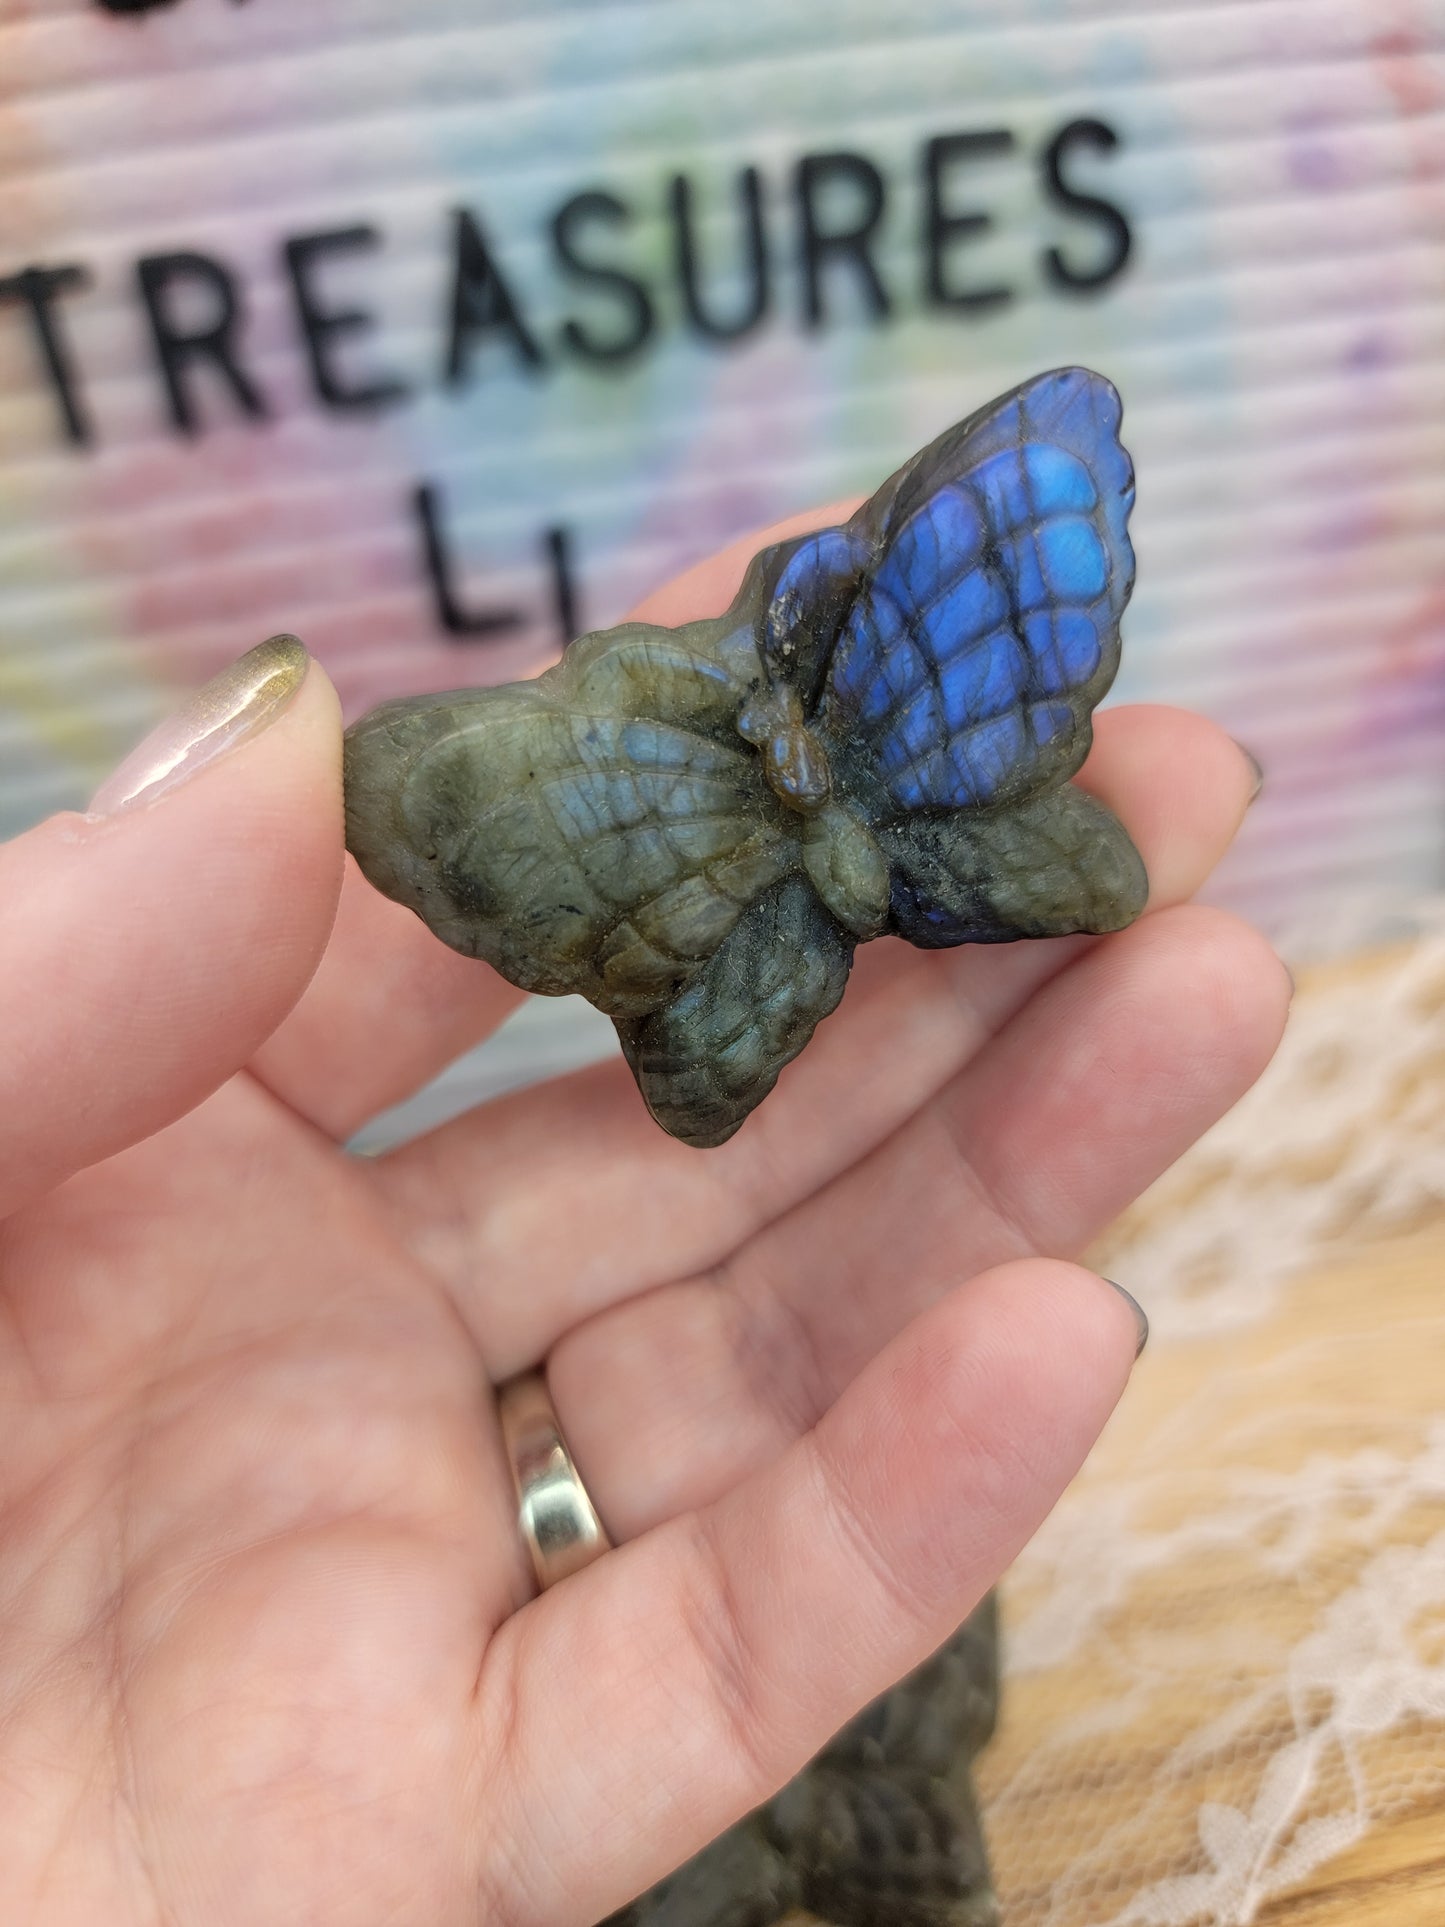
(881, 1830)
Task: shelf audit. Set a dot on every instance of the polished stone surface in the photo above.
(694, 828)
(881, 1830)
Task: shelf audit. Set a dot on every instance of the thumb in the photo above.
(148, 947)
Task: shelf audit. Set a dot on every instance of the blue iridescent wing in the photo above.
(969, 665)
(806, 589)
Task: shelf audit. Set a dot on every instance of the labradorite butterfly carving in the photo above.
(695, 827)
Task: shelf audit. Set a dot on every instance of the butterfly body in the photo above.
(876, 738)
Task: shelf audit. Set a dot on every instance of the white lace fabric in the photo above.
(1225, 1653)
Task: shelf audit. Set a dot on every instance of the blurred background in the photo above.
(614, 283)
(438, 330)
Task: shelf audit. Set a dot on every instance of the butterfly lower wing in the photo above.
(1054, 865)
(600, 830)
(968, 666)
(707, 1058)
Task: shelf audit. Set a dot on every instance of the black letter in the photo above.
(319, 325)
(175, 345)
(481, 300)
(38, 287)
(564, 589)
(634, 296)
(942, 225)
(848, 243)
(1089, 133)
(456, 620)
(755, 305)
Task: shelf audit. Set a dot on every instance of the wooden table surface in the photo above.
(1395, 1877)
(1379, 1323)
(1353, 1340)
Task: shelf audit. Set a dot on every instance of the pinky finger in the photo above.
(652, 1701)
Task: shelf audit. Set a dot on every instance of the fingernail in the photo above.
(1255, 764)
(231, 707)
(1141, 1317)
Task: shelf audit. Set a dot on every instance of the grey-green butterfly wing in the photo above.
(599, 830)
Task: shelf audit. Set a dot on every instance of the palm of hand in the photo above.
(247, 1508)
(262, 1656)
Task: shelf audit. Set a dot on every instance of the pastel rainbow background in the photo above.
(1278, 337)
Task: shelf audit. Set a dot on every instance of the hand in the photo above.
(268, 1650)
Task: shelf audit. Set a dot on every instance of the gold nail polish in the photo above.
(230, 708)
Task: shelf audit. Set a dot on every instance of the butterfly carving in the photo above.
(695, 827)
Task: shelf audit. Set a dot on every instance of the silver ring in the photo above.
(557, 1519)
